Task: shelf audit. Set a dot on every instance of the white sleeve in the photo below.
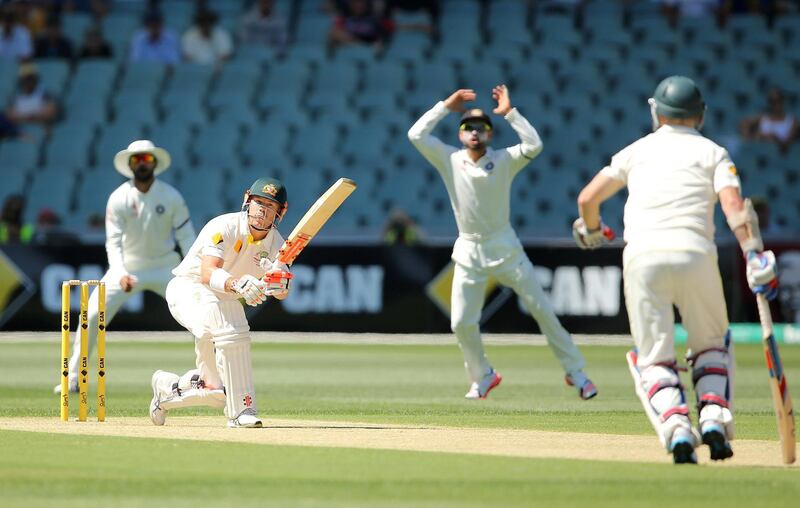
(115, 228)
(531, 144)
(619, 167)
(725, 174)
(431, 147)
(182, 224)
(214, 237)
(225, 43)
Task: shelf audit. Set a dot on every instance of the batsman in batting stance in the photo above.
(674, 178)
(144, 219)
(233, 259)
(478, 181)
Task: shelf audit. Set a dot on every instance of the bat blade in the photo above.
(782, 401)
(313, 220)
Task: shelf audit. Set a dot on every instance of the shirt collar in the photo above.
(486, 156)
(677, 128)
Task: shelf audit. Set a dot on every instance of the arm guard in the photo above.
(747, 217)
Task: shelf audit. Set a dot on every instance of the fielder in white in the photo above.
(234, 258)
(478, 181)
(144, 219)
(674, 178)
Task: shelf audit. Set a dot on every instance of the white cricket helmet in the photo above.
(163, 159)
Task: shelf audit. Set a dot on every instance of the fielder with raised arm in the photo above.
(226, 264)
(478, 181)
(144, 219)
(674, 178)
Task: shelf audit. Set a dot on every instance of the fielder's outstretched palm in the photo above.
(500, 94)
(456, 101)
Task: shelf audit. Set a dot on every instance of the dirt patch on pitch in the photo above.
(506, 442)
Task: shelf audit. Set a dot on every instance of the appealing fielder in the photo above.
(226, 264)
(674, 177)
(144, 219)
(478, 181)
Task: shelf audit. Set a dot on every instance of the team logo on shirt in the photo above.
(259, 256)
(490, 166)
(732, 169)
(270, 189)
(160, 209)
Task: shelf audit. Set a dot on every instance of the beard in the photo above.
(143, 174)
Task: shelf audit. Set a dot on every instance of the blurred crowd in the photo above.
(31, 31)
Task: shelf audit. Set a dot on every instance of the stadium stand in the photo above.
(311, 114)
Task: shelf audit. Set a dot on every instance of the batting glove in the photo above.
(586, 239)
(762, 273)
(251, 289)
(277, 282)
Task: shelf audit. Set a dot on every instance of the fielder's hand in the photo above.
(456, 101)
(127, 282)
(251, 289)
(500, 94)
(762, 273)
(590, 239)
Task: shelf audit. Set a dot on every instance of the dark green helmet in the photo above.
(678, 97)
(269, 188)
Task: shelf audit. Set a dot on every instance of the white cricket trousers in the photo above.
(654, 282)
(222, 341)
(154, 280)
(469, 286)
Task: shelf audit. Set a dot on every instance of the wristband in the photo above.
(218, 279)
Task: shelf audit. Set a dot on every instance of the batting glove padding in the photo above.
(251, 289)
(593, 239)
(277, 282)
(762, 273)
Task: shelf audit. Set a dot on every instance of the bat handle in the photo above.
(764, 313)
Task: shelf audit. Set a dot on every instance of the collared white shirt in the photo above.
(228, 238)
(673, 177)
(142, 227)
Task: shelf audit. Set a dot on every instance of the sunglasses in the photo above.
(475, 126)
(147, 158)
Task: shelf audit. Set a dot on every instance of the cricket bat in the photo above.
(777, 382)
(314, 219)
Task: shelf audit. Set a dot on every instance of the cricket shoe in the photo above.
(73, 387)
(157, 414)
(487, 383)
(682, 448)
(247, 419)
(718, 444)
(586, 389)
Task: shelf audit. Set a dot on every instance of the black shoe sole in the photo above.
(718, 445)
(683, 453)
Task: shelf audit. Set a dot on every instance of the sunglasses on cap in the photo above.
(475, 126)
(147, 158)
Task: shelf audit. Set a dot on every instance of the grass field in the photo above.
(376, 384)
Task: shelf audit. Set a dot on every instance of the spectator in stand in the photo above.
(15, 39)
(400, 229)
(263, 24)
(12, 230)
(431, 7)
(49, 230)
(98, 8)
(51, 43)
(673, 10)
(205, 42)
(8, 129)
(768, 228)
(774, 125)
(94, 45)
(358, 23)
(154, 43)
(32, 104)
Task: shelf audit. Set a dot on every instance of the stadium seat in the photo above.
(174, 136)
(313, 27)
(186, 76)
(339, 76)
(508, 21)
(386, 76)
(265, 143)
(113, 138)
(205, 191)
(183, 106)
(433, 79)
(315, 146)
(143, 77)
(233, 108)
(216, 146)
(93, 77)
(19, 154)
(70, 145)
(54, 75)
(407, 46)
(378, 104)
(16, 179)
(134, 107)
(58, 184)
(288, 75)
(93, 191)
(74, 25)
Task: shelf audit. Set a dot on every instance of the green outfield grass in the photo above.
(386, 384)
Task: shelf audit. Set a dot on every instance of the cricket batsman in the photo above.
(145, 217)
(674, 178)
(478, 181)
(234, 258)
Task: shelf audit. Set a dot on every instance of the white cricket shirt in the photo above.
(228, 238)
(480, 192)
(673, 177)
(142, 228)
